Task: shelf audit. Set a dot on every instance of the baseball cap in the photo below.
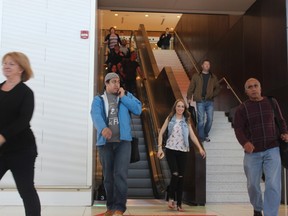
(110, 76)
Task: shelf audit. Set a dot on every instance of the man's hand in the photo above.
(2, 140)
(284, 137)
(106, 133)
(249, 147)
(121, 92)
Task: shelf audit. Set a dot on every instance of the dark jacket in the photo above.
(16, 110)
(196, 85)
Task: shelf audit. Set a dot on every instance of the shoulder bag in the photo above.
(283, 146)
(135, 155)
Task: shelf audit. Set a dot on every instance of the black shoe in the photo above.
(257, 213)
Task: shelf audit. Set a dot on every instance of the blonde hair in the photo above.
(22, 60)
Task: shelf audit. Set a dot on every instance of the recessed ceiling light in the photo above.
(146, 15)
(178, 16)
(116, 14)
(115, 27)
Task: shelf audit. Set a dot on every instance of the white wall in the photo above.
(48, 32)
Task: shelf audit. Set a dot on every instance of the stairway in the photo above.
(139, 179)
(169, 58)
(225, 179)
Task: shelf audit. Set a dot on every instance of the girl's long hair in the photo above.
(186, 113)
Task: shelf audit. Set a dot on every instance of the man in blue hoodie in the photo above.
(112, 119)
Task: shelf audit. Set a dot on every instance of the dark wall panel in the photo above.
(255, 46)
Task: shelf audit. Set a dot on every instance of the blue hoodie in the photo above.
(99, 113)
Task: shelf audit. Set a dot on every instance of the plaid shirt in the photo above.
(254, 122)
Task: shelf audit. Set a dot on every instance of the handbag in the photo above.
(192, 111)
(159, 43)
(135, 155)
(283, 146)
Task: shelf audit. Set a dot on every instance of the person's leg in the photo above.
(22, 167)
(181, 163)
(201, 119)
(121, 163)
(253, 171)
(209, 109)
(3, 166)
(272, 170)
(172, 163)
(107, 161)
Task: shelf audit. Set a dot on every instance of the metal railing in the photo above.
(230, 88)
(193, 62)
(188, 54)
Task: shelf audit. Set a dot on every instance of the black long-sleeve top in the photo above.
(16, 110)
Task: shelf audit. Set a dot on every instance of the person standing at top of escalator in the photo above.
(112, 39)
(165, 39)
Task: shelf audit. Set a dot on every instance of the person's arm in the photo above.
(160, 153)
(131, 102)
(217, 87)
(97, 112)
(119, 40)
(191, 90)
(107, 39)
(140, 72)
(240, 128)
(196, 141)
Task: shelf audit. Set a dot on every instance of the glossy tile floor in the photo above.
(143, 207)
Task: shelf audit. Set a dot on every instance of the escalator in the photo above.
(149, 177)
(139, 179)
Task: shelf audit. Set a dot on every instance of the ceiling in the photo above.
(162, 13)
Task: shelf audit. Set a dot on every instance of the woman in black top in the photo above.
(18, 149)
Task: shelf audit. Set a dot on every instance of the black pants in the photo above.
(177, 164)
(21, 164)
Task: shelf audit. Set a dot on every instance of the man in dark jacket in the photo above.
(204, 87)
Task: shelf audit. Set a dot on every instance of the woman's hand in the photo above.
(202, 152)
(160, 153)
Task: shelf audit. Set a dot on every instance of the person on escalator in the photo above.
(130, 70)
(179, 130)
(111, 116)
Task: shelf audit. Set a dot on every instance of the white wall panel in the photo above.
(48, 31)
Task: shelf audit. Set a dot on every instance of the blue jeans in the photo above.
(203, 128)
(268, 162)
(115, 159)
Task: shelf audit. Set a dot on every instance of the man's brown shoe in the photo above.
(109, 213)
(118, 213)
